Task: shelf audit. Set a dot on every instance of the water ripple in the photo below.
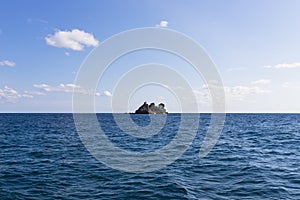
(256, 157)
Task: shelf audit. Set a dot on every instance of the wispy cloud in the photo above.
(34, 93)
(7, 63)
(239, 92)
(30, 20)
(75, 39)
(283, 65)
(11, 95)
(67, 88)
(261, 82)
(163, 24)
(291, 85)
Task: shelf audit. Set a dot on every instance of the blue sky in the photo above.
(254, 44)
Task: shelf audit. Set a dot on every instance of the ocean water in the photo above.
(256, 157)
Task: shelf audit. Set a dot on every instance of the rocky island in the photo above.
(151, 109)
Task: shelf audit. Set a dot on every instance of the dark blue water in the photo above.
(256, 157)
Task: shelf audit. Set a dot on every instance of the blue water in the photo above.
(257, 157)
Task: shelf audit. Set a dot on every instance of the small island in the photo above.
(151, 109)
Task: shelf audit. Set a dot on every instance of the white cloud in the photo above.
(238, 92)
(107, 93)
(261, 82)
(30, 20)
(67, 88)
(11, 95)
(203, 96)
(27, 96)
(7, 63)
(284, 65)
(291, 85)
(163, 24)
(34, 93)
(60, 88)
(74, 39)
(67, 53)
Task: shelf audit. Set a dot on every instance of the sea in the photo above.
(257, 156)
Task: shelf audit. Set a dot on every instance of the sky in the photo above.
(255, 46)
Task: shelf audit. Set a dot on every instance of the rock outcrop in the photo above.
(151, 109)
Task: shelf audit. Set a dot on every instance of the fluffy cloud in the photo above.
(163, 24)
(284, 65)
(68, 88)
(74, 39)
(11, 95)
(107, 93)
(7, 63)
(261, 82)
